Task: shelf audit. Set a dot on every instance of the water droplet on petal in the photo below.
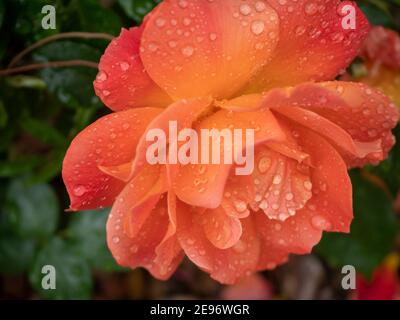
(101, 76)
(260, 6)
(79, 191)
(320, 223)
(264, 164)
(308, 185)
(311, 8)
(124, 65)
(245, 9)
(257, 27)
(115, 240)
(277, 179)
(188, 51)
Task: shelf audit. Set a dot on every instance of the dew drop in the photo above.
(183, 4)
(115, 240)
(188, 51)
(245, 9)
(307, 185)
(320, 222)
(160, 22)
(257, 27)
(277, 179)
(213, 36)
(79, 191)
(310, 8)
(264, 164)
(101, 76)
(240, 206)
(124, 66)
(260, 6)
(289, 196)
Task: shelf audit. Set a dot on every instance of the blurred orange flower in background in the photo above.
(381, 55)
(226, 64)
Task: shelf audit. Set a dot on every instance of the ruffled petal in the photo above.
(200, 48)
(138, 224)
(238, 194)
(313, 45)
(282, 185)
(183, 113)
(220, 229)
(122, 81)
(224, 265)
(109, 142)
(365, 114)
(203, 184)
(331, 204)
(139, 197)
(329, 208)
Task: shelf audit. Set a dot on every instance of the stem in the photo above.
(51, 64)
(66, 35)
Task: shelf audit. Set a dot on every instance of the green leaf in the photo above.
(87, 235)
(73, 86)
(11, 168)
(51, 167)
(29, 19)
(137, 9)
(73, 275)
(31, 210)
(94, 18)
(376, 15)
(16, 254)
(372, 231)
(42, 131)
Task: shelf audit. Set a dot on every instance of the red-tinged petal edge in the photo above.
(122, 82)
(139, 223)
(348, 111)
(313, 44)
(107, 143)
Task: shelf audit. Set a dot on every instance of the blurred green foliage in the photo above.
(41, 111)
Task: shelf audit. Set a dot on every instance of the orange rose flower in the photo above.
(381, 54)
(227, 64)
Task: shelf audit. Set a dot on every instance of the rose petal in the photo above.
(238, 194)
(110, 141)
(364, 113)
(331, 203)
(220, 229)
(200, 48)
(282, 185)
(140, 251)
(203, 184)
(122, 81)
(183, 112)
(139, 222)
(224, 265)
(313, 45)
